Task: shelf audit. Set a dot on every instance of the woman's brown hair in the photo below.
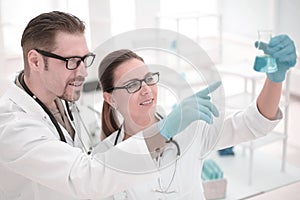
(106, 71)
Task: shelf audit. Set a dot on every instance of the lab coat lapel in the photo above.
(30, 106)
(27, 103)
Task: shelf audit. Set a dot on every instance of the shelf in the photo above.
(243, 70)
(213, 47)
(244, 97)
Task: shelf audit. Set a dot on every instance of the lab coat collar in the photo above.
(30, 106)
(121, 132)
(27, 103)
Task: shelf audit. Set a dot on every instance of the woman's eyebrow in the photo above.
(135, 79)
(129, 81)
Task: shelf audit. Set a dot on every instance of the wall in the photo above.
(245, 17)
(100, 21)
(146, 11)
(241, 20)
(280, 15)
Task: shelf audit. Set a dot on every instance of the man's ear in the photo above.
(34, 59)
(108, 98)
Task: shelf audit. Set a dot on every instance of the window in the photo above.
(16, 14)
(122, 16)
(172, 9)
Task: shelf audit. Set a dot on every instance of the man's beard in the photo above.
(71, 97)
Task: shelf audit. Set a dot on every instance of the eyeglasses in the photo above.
(167, 177)
(72, 62)
(136, 84)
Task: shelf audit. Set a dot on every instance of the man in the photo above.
(38, 160)
(41, 154)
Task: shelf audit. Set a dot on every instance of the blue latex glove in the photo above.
(195, 107)
(281, 48)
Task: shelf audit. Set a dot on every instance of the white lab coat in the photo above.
(187, 184)
(36, 165)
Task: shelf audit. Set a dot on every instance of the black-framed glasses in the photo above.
(135, 85)
(72, 62)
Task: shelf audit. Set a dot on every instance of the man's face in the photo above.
(55, 77)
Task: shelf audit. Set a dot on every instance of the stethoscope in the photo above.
(161, 190)
(52, 118)
(160, 117)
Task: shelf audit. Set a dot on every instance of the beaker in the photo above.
(264, 62)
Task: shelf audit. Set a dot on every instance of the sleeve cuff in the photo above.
(263, 124)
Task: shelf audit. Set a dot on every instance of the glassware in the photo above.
(263, 61)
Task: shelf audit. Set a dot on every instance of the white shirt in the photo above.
(240, 127)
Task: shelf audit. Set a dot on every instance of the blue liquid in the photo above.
(265, 64)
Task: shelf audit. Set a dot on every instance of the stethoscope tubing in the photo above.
(52, 118)
(169, 141)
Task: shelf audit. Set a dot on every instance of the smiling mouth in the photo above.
(76, 84)
(147, 102)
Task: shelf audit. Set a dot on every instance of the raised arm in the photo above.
(282, 48)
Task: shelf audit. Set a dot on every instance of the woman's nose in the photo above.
(145, 89)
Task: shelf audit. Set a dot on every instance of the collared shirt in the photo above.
(59, 113)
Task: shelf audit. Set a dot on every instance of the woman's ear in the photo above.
(108, 98)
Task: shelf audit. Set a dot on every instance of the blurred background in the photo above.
(226, 30)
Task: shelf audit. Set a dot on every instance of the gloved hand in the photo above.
(195, 107)
(281, 48)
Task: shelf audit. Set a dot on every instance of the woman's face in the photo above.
(138, 108)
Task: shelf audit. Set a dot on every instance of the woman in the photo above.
(131, 89)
